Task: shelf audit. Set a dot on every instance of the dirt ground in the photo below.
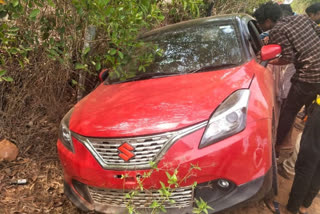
(44, 191)
(282, 198)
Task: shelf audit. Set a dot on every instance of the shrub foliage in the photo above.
(57, 28)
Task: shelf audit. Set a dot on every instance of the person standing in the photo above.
(286, 169)
(306, 183)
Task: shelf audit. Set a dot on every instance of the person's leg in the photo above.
(314, 188)
(286, 169)
(307, 162)
(300, 93)
(289, 163)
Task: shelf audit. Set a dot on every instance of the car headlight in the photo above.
(228, 119)
(65, 133)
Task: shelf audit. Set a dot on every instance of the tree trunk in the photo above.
(89, 35)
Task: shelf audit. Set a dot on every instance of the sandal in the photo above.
(276, 207)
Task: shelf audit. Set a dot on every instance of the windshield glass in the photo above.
(189, 50)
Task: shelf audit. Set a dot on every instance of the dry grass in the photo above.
(30, 110)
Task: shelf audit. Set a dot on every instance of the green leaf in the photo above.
(153, 164)
(74, 82)
(194, 184)
(162, 185)
(51, 3)
(13, 29)
(13, 51)
(154, 204)
(80, 66)
(34, 13)
(86, 50)
(110, 59)
(172, 201)
(98, 66)
(163, 209)
(2, 72)
(3, 14)
(7, 79)
(168, 175)
(120, 54)
(52, 52)
(112, 51)
(15, 3)
(108, 11)
(195, 167)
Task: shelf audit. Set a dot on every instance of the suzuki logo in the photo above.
(126, 149)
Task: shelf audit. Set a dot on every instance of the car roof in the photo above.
(194, 22)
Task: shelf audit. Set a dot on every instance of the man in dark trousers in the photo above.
(306, 184)
(299, 38)
(286, 169)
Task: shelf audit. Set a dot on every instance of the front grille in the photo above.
(182, 196)
(146, 148)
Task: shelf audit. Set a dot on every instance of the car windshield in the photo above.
(191, 49)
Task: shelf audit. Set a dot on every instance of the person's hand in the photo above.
(259, 56)
(265, 40)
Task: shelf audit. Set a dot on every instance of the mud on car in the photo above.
(206, 101)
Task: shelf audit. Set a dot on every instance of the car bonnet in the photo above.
(156, 105)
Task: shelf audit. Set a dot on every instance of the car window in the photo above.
(254, 39)
(188, 49)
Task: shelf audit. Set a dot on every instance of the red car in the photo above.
(207, 102)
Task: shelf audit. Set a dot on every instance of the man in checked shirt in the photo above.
(299, 38)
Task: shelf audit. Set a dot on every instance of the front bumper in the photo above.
(218, 199)
(243, 159)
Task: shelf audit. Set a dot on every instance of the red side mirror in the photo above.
(103, 74)
(269, 52)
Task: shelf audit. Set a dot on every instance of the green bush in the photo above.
(57, 28)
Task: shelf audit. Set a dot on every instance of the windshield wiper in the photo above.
(145, 76)
(209, 67)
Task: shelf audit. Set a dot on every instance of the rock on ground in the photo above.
(8, 150)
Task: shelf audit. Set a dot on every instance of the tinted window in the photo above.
(188, 49)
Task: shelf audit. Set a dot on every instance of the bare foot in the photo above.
(302, 210)
(283, 210)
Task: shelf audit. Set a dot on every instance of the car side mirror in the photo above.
(103, 75)
(269, 52)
